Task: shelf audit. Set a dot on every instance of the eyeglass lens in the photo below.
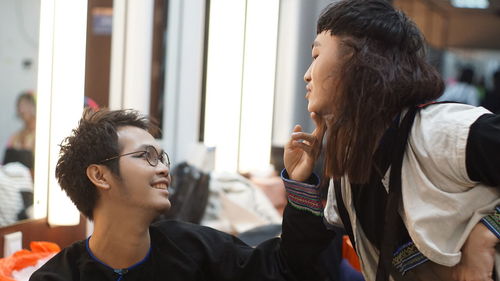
(152, 156)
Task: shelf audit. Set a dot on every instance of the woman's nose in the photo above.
(307, 75)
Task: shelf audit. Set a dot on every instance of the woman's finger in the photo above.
(297, 128)
(303, 136)
(302, 145)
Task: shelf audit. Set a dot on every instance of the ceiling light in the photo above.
(473, 4)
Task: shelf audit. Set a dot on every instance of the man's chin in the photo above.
(164, 208)
(167, 206)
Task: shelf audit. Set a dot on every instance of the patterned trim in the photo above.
(304, 195)
(407, 257)
(492, 222)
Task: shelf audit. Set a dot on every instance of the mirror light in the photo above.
(61, 80)
(472, 4)
(241, 69)
(261, 43)
(41, 177)
(131, 49)
(224, 81)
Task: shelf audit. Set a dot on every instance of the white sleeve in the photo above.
(441, 204)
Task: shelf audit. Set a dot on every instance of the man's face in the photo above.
(140, 186)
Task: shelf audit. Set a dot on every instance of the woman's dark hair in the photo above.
(94, 140)
(384, 72)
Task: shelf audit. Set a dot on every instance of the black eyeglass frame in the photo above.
(162, 155)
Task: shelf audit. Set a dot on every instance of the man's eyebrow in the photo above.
(144, 146)
(315, 44)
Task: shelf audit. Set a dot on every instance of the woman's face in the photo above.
(322, 76)
(26, 110)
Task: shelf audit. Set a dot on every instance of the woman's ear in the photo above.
(99, 175)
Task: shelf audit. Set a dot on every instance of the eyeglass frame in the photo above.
(158, 155)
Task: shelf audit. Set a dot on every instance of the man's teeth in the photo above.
(160, 186)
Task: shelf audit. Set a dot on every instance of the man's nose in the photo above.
(163, 168)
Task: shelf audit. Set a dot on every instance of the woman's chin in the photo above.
(311, 108)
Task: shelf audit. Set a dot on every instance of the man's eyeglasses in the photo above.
(149, 153)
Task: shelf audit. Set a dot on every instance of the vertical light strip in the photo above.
(117, 54)
(131, 54)
(44, 92)
(258, 84)
(68, 77)
(138, 42)
(224, 80)
(190, 78)
(287, 88)
(172, 78)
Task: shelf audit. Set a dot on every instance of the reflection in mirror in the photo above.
(19, 25)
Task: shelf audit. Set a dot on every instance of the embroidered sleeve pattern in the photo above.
(304, 195)
(407, 257)
(492, 222)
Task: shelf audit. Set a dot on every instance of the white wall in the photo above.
(19, 23)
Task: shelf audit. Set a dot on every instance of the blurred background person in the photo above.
(492, 99)
(16, 174)
(21, 144)
(463, 90)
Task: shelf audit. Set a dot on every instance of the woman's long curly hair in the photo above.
(386, 71)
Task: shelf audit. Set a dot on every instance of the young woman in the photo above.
(21, 144)
(26, 111)
(415, 184)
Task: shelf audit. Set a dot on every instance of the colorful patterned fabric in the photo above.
(407, 257)
(304, 195)
(492, 222)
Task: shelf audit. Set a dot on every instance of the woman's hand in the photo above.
(478, 256)
(302, 150)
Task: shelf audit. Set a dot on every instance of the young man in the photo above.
(117, 175)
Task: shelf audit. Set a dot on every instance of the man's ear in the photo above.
(99, 175)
